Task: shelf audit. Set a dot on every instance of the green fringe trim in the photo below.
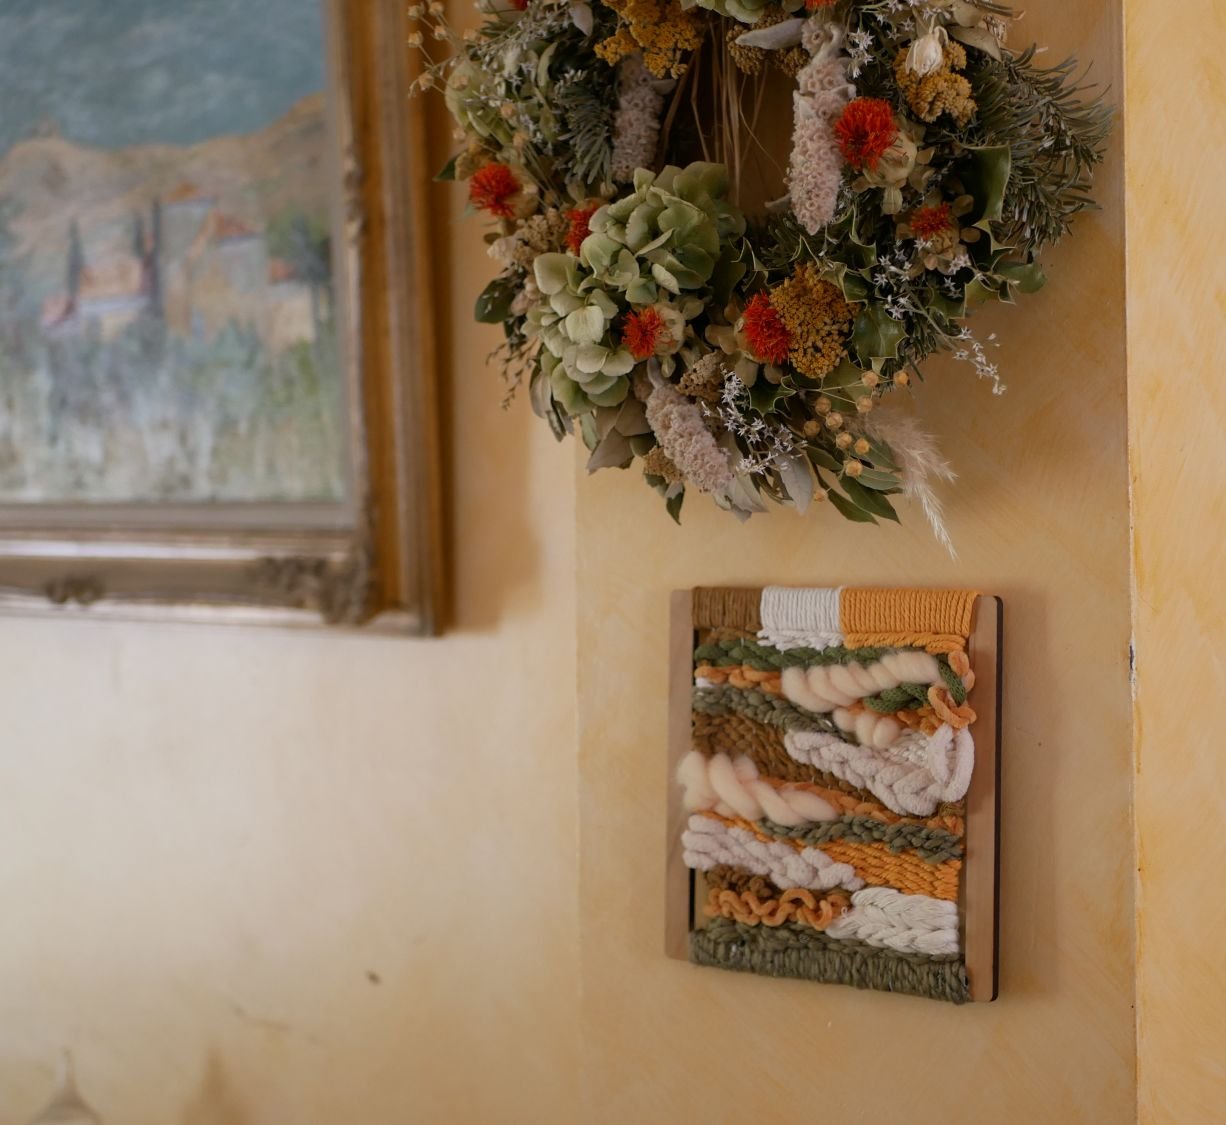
(933, 844)
(801, 952)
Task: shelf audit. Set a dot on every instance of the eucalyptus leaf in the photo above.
(823, 459)
(978, 37)
(879, 480)
(581, 16)
(632, 418)
(540, 394)
(846, 508)
(868, 500)
(612, 452)
(881, 455)
(673, 506)
(777, 37)
(798, 479)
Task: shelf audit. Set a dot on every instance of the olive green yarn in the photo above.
(767, 658)
(957, 689)
(905, 697)
(762, 707)
(799, 951)
(934, 845)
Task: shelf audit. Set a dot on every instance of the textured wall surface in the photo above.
(266, 878)
(257, 878)
(1176, 303)
(1041, 517)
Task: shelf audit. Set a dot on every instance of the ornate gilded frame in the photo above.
(375, 561)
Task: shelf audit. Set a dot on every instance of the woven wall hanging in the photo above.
(725, 230)
(834, 761)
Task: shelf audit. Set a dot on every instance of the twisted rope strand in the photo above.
(933, 769)
(711, 841)
(736, 735)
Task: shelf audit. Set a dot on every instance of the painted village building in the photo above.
(201, 269)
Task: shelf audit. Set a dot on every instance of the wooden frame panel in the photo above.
(979, 904)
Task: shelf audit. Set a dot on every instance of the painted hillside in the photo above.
(144, 284)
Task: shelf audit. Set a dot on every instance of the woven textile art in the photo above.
(825, 783)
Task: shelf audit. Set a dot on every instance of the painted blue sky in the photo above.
(113, 73)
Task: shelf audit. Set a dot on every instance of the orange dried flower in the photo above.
(817, 5)
(765, 331)
(927, 222)
(641, 332)
(865, 130)
(492, 189)
(580, 219)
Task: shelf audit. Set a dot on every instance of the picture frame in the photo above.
(373, 560)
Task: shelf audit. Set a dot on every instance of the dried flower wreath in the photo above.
(737, 352)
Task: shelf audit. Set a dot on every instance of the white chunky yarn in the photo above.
(800, 618)
(911, 778)
(709, 843)
(889, 919)
(734, 788)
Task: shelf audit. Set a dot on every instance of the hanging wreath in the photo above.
(654, 294)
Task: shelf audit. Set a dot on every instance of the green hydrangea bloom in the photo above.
(670, 233)
(669, 244)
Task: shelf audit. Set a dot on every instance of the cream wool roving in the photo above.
(711, 843)
(735, 788)
(823, 687)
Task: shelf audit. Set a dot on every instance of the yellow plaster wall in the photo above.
(1177, 412)
(1041, 517)
(265, 878)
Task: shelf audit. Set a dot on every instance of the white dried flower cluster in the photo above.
(822, 91)
(974, 352)
(636, 125)
(539, 234)
(683, 435)
(766, 444)
(891, 285)
(860, 50)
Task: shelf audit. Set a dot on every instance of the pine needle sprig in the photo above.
(586, 113)
(1056, 128)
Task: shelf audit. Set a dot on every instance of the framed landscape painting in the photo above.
(216, 368)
